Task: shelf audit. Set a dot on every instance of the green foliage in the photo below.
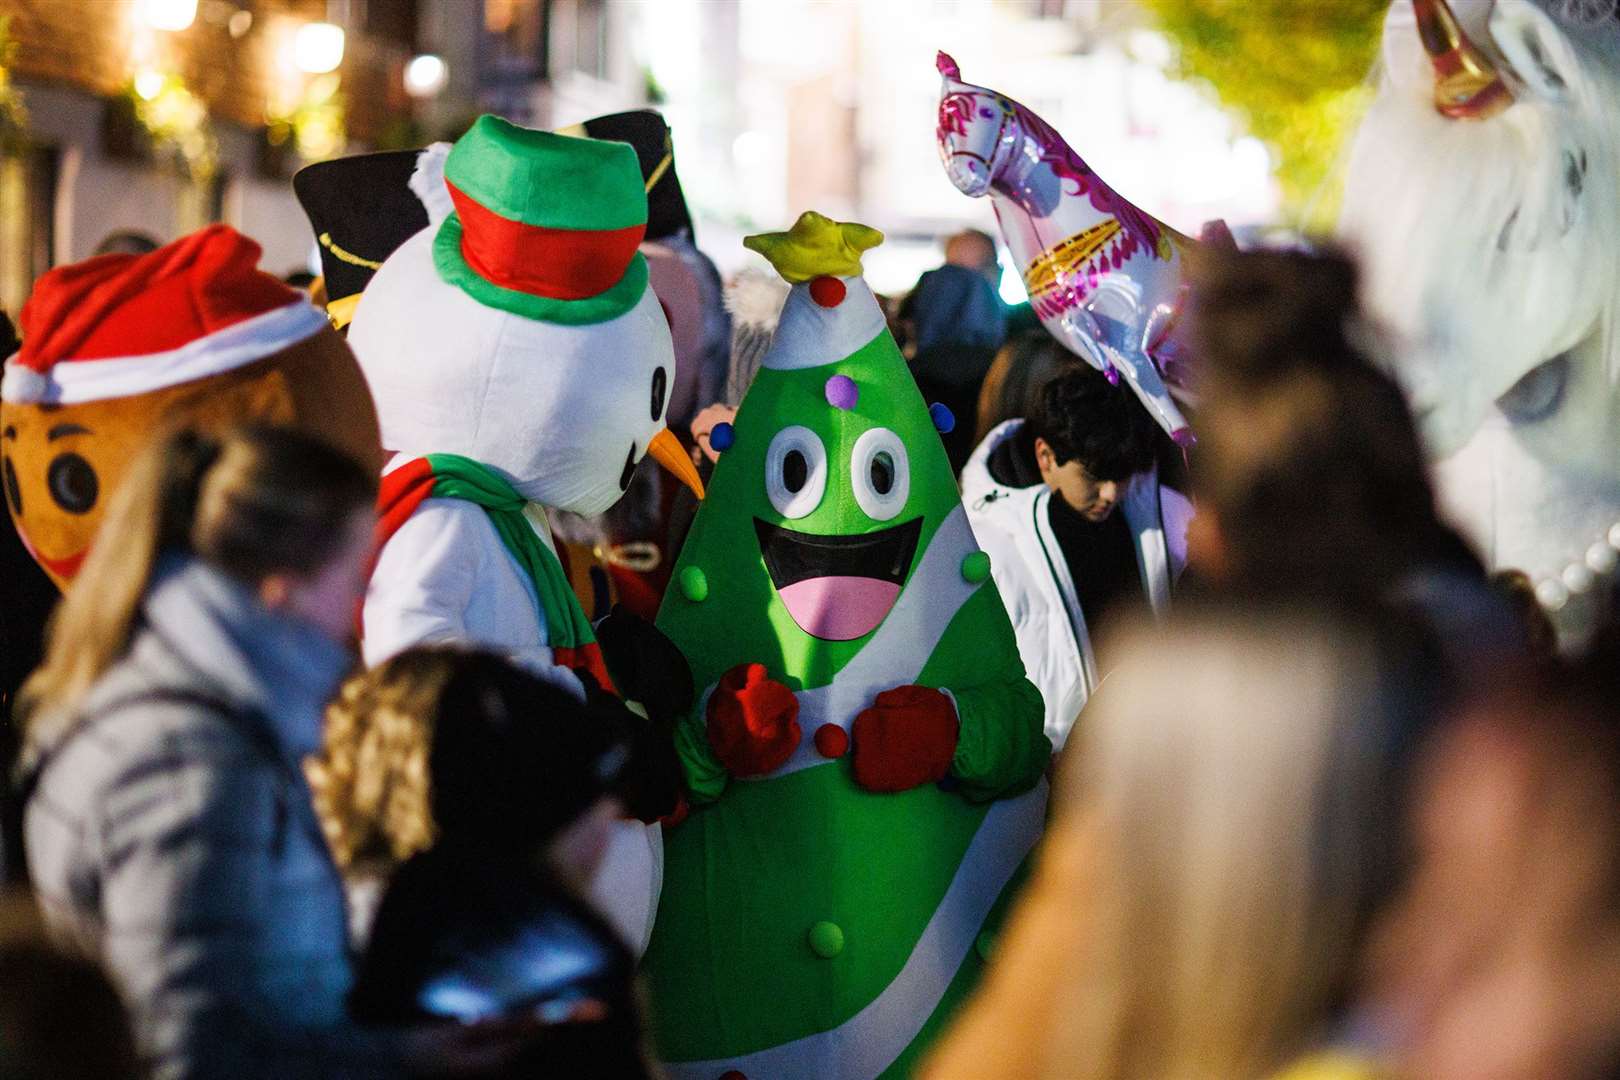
(13, 115)
(175, 122)
(1293, 70)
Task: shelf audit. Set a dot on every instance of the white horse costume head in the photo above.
(1483, 195)
(517, 329)
(1103, 275)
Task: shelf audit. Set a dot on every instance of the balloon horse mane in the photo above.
(1103, 275)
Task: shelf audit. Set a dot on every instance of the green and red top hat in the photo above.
(546, 226)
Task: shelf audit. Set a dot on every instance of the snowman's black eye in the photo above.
(72, 483)
(795, 471)
(659, 386)
(13, 492)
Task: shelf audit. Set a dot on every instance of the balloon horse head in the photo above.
(1103, 275)
(1483, 196)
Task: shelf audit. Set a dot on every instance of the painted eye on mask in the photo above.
(880, 473)
(1539, 392)
(795, 471)
(72, 483)
(13, 490)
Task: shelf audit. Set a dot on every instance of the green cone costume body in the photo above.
(810, 927)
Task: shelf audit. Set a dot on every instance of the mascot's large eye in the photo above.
(1538, 393)
(795, 471)
(660, 385)
(72, 483)
(881, 474)
(13, 492)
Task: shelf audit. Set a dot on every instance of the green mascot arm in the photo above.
(705, 776)
(1001, 745)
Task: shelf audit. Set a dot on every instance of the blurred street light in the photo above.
(426, 75)
(318, 48)
(149, 84)
(166, 14)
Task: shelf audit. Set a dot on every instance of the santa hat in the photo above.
(120, 325)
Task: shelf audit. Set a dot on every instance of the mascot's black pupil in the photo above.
(13, 492)
(882, 473)
(658, 388)
(795, 471)
(72, 483)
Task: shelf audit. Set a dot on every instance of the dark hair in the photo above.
(127, 242)
(252, 502)
(60, 1016)
(1308, 455)
(1011, 388)
(514, 758)
(1258, 315)
(1086, 418)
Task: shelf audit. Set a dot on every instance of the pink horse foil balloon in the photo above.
(1104, 277)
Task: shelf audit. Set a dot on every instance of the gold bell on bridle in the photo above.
(1467, 85)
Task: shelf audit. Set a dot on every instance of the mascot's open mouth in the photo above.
(838, 588)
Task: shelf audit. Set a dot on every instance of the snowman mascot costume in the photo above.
(519, 362)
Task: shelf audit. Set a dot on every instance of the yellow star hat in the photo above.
(816, 246)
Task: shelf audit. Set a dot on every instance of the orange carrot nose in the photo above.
(667, 450)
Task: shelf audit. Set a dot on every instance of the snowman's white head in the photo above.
(520, 330)
(564, 412)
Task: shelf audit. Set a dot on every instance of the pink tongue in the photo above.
(839, 608)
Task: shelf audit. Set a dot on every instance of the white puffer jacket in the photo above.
(1013, 528)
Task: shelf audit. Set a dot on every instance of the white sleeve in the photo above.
(442, 564)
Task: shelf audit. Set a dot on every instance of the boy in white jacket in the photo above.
(1068, 505)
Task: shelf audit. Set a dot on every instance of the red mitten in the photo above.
(906, 738)
(753, 721)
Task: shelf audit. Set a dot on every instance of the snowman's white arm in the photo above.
(424, 585)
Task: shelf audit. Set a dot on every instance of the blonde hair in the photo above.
(1227, 851)
(251, 502)
(371, 781)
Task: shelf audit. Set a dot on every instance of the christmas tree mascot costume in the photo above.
(519, 361)
(865, 761)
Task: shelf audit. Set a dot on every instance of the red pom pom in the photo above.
(732, 1074)
(832, 741)
(827, 291)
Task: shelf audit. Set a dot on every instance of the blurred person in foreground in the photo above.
(509, 822)
(1309, 477)
(170, 832)
(1067, 503)
(1501, 958)
(60, 1018)
(1221, 837)
(955, 321)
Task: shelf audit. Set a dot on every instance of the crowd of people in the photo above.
(1327, 801)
